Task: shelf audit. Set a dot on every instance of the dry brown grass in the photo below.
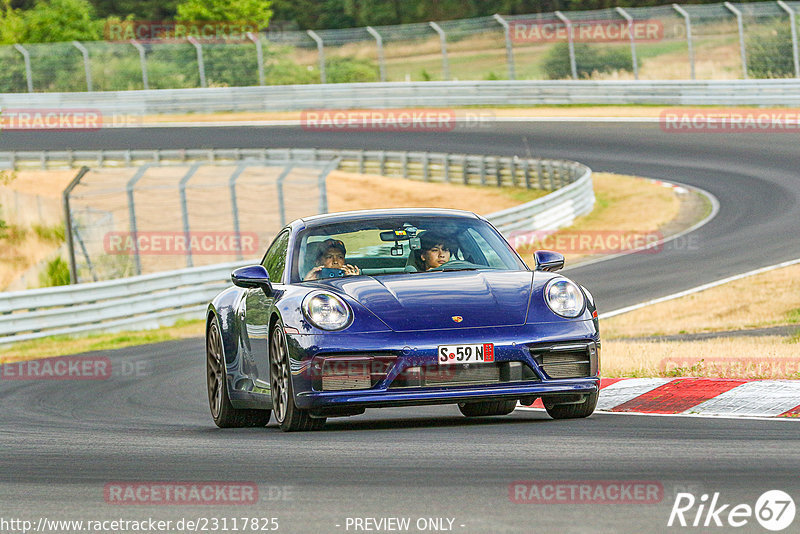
(625, 206)
(738, 357)
(350, 191)
(767, 299)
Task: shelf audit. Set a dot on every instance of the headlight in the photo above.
(564, 297)
(326, 311)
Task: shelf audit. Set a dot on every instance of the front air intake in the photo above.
(574, 360)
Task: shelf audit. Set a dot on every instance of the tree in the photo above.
(256, 12)
(53, 21)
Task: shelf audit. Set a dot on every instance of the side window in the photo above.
(275, 258)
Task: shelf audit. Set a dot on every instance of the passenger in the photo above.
(330, 255)
(435, 250)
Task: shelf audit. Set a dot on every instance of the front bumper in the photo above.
(413, 349)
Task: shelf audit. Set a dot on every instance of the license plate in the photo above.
(454, 354)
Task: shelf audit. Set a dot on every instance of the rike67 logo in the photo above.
(774, 510)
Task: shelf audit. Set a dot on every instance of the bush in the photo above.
(351, 70)
(56, 273)
(769, 52)
(588, 59)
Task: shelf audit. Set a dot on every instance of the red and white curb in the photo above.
(698, 396)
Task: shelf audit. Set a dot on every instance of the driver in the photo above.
(434, 251)
(330, 255)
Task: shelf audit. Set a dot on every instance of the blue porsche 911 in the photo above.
(403, 307)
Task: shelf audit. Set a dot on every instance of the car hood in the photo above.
(431, 301)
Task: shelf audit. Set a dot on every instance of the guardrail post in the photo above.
(628, 18)
(382, 163)
(27, 58)
(509, 47)
(73, 269)
(86, 66)
(259, 56)
(425, 167)
(570, 43)
(739, 23)
(790, 11)
(512, 169)
(132, 214)
(381, 58)
(483, 170)
(465, 169)
(279, 185)
(446, 167)
(404, 163)
(526, 169)
(234, 206)
(443, 40)
(201, 66)
(185, 211)
(688, 21)
(497, 171)
(321, 51)
(142, 62)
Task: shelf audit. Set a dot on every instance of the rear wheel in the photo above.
(222, 411)
(572, 411)
(289, 416)
(481, 409)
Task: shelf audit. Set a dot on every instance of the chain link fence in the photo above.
(157, 217)
(711, 41)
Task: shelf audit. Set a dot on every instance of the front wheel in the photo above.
(222, 411)
(481, 409)
(289, 416)
(572, 411)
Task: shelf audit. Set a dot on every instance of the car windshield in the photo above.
(400, 245)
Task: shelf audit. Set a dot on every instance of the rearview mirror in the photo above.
(547, 260)
(252, 276)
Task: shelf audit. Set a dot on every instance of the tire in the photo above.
(482, 409)
(222, 411)
(289, 416)
(572, 411)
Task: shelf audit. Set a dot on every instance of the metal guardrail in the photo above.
(783, 92)
(148, 300)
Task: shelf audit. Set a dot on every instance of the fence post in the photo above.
(323, 189)
(73, 270)
(259, 56)
(628, 18)
(279, 184)
(234, 206)
(132, 213)
(443, 40)
(201, 66)
(570, 43)
(790, 11)
(509, 47)
(739, 22)
(27, 58)
(185, 211)
(142, 61)
(688, 22)
(86, 67)
(381, 58)
(321, 50)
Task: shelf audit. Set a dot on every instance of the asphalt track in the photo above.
(63, 441)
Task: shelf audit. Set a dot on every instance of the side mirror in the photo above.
(252, 276)
(547, 260)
